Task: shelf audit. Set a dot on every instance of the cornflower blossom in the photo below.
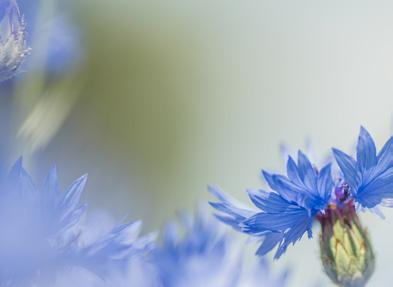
(13, 49)
(205, 256)
(307, 194)
(41, 234)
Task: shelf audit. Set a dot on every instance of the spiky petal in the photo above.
(370, 176)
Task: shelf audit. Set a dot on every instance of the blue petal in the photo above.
(306, 171)
(268, 201)
(288, 190)
(295, 234)
(301, 186)
(276, 222)
(325, 183)
(366, 150)
(51, 182)
(292, 171)
(302, 196)
(72, 195)
(269, 242)
(3, 8)
(385, 156)
(348, 167)
(232, 214)
(377, 190)
(16, 169)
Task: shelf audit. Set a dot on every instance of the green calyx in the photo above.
(346, 251)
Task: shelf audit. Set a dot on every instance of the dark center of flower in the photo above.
(342, 192)
(344, 211)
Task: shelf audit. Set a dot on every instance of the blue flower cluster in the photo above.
(47, 242)
(203, 256)
(55, 42)
(286, 212)
(42, 234)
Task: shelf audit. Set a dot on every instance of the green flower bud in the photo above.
(346, 252)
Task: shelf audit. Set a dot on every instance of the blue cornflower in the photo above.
(287, 212)
(12, 39)
(41, 233)
(205, 256)
(306, 194)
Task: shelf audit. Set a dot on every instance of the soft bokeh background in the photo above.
(170, 96)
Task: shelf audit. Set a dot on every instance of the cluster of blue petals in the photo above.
(287, 211)
(43, 243)
(54, 40)
(370, 175)
(41, 233)
(202, 255)
(46, 237)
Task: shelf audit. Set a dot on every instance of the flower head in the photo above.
(13, 48)
(288, 211)
(307, 194)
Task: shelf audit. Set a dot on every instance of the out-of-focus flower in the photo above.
(306, 194)
(65, 49)
(13, 48)
(49, 88)
(198, 258)
(55, 40)
(41, 233)
(123, 268)
(204, 256)
(261, 274)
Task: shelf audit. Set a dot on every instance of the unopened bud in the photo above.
(346, 251)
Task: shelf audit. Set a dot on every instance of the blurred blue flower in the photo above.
(64, 49)
(55, 40)
(41, 233)
(111, 253)
(204, 256)
(261, 274)
(12, 39)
